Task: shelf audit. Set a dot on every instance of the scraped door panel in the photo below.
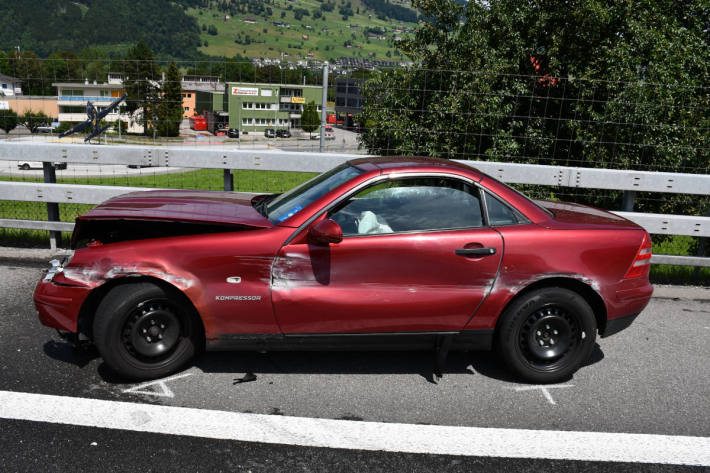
(385, 283)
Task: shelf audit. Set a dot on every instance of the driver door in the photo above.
(415, 257)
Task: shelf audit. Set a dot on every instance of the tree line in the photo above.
(604, 84)
(44, 26)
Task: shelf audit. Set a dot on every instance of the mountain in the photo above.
(189, 29)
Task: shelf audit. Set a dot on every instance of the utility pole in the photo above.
(322, 107)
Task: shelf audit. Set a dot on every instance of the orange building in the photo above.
(193, 84)
(25, 103)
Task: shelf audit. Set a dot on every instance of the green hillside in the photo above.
(189, 29)
(307, 30)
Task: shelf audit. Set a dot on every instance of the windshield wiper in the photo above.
(260, 205)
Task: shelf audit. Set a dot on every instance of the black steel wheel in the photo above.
(145, 331)
(544, 336)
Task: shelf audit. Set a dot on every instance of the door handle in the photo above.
(475, 251)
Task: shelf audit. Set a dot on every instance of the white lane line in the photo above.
(355, 435)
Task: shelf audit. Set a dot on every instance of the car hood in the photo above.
(227, 208)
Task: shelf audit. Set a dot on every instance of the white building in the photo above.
(72, 98)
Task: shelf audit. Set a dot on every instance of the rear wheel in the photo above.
(25, 167)
(546, 335)
(144, 331)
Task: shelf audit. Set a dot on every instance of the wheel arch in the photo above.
(591, 296)
(88, 309)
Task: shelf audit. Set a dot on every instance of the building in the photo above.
(22, 104)
(72, 98)
(10, 86)
(202, 86)
(255, 107)
(348, 102)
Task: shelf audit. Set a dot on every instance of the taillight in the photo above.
(642, 263)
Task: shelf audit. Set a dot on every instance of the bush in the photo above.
(8, 120)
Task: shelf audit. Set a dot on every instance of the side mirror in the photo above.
(325, 232)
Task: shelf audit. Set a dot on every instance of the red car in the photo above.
(378, 253)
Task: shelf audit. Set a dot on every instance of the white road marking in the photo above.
(374, 436)
(545, 390)
(165, 391)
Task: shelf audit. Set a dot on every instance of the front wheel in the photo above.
(547, 334)
(143, 331)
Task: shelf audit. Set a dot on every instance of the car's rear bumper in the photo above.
(629, 299)
(58, 306)
(617, 325)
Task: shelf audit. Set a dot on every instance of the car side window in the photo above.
(499, 213)
(410, 205)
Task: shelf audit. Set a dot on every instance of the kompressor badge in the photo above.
(238, 298)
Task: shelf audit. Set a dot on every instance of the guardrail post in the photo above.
(627, 205)
(700, 252)
(50, 176)
(228, 180)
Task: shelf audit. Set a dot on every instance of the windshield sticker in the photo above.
(290, 213)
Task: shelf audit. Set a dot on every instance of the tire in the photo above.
(143, 331)
(526, 335)
(25, 167)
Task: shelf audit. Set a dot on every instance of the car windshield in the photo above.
(290, 203)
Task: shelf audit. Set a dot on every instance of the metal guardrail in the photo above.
(273, 160)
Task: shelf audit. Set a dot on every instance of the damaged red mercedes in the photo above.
(377, 253)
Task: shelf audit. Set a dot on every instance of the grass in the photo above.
(290, 40)
(671, 274)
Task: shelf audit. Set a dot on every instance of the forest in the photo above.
(45, 26)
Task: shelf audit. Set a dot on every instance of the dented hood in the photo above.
(181, 205)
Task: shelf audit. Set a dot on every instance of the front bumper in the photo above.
(58, 305)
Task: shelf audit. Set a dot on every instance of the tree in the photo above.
(170, 108)
(492, 80)
(141, 84)
(598, 83)
(8, 120)
(310, 121)
(32, 120)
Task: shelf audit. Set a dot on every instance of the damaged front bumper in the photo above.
(58, 304)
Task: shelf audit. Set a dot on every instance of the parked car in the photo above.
(27, 165)
(283, 133)
(380, 253)
(270, 133)
(233, 133)
(329, 134)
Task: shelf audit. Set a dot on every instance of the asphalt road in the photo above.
(653, 378)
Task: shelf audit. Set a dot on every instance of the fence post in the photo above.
(323, 105)
(50, 176)
(228, 180)
(627, 204)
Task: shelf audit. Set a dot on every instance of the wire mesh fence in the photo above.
(460, 114)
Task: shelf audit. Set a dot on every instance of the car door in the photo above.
(415, 256)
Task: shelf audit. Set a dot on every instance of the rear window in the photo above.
(535, 203)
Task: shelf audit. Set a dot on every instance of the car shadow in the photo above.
(422, 363)
(490, 365)
(68, 353)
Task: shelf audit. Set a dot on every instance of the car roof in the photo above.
(417, 163)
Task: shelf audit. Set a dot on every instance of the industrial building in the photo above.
(255, 107)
